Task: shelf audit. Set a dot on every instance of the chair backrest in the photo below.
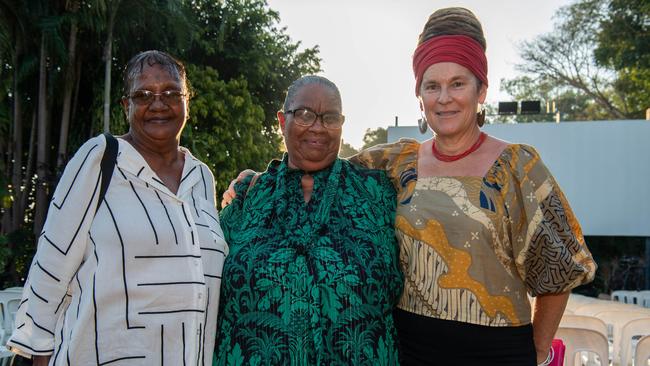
(636, 327)
(12, 308)
(598, 307)
(18, 289)
(623, 296)
(10, 300)
(576, 301)
(617, 319)
(642, 351)
(578, 340)
(584, 322)
(644, 299)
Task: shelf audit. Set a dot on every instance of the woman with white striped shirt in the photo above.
(137, 281)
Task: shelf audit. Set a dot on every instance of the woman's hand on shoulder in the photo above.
(230, 193)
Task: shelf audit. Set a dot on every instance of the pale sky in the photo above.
(366, 48)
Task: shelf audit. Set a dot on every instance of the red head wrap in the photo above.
(459, 49)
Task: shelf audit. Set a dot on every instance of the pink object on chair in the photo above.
(558, 348)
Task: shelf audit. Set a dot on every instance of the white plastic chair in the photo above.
(617, 319)
(623, 296)
(6, 356)
(9, 302)
(636, 327)
(11, 309)
(600, 306)
(583, 340)
(642, 353)
(584, 322)
(644, 299)
(17, 289)
(576, 301)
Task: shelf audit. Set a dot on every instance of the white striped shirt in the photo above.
(136, 285)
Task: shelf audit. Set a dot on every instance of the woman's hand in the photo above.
(230, 194)
(40, 360)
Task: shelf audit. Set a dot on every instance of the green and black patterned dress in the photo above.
(310, 283)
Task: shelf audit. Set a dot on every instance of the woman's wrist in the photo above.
(548, 359)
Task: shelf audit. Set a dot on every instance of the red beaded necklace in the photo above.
(442, 157)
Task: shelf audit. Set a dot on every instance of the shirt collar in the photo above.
(130, 160)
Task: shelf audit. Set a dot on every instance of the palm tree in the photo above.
(17, 18)
(162, 13)
(70, 77)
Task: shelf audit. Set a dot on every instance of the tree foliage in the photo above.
(53, 65)
(347, 150)
(587, 65)
(624, 35)
(624, 45)
(374, 137)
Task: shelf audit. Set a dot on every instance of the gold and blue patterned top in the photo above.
(310, 283)
(472, 248)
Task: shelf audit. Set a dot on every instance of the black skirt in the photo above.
(430, 341)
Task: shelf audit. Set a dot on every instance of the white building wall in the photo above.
(603, 168)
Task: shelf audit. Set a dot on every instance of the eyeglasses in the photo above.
(306, 117)
(146, 97)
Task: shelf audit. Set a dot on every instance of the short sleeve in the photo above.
(549, 249)
(60, 251)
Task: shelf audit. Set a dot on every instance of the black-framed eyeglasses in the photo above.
(306, 117)
(146, 97)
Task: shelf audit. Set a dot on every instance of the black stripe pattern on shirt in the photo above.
(168, 217)
(47, 272)
(60, 205)
(188, 174)
(155, 233)
(126, 290)
(205, 186)
(83, 218)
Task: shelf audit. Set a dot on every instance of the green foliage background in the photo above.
(239, 62)
(594, 65)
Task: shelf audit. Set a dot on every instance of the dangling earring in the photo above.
(422, 124)
(480, 116)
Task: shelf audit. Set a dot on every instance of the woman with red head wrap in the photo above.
(481, 222)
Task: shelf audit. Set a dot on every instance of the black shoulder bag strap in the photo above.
(107, 165)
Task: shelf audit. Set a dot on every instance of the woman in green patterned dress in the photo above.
(312, 274)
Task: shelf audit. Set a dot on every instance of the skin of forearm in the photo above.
(40, 360)
(547, 313)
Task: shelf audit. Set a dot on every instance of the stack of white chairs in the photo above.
(633, 329)
(626, 297)
(9, 302)
(579, 340)
(618, 320)
(641, 298)
(607, 329)
(583, 334)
